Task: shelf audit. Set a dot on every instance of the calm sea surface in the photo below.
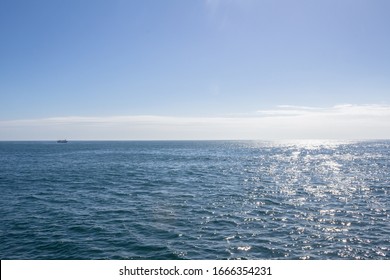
(195, 200)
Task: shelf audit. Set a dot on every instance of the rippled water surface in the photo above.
(195, 200)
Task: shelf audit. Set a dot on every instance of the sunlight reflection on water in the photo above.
(196, 200)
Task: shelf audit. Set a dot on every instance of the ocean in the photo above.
(195, 200)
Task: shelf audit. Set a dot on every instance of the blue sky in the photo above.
(246, 69)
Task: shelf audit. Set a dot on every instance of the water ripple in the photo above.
(195, 200)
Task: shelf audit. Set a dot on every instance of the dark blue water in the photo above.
(195, 200)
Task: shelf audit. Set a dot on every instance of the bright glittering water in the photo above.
(195, 200)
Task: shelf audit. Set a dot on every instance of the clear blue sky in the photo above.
(205, 58)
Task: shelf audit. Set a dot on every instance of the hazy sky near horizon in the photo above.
(201, 69)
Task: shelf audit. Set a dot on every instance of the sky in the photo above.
(197, 69)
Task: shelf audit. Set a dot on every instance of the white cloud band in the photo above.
(369, 121)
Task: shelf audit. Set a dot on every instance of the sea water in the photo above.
(195, 200)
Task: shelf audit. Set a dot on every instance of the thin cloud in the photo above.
(370, 121)
(337, 110)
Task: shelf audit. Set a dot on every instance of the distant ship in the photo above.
(62, 141)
